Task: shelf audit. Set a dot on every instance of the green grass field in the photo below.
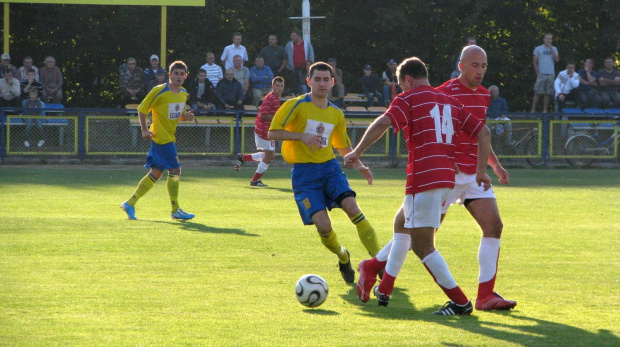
(74, 271)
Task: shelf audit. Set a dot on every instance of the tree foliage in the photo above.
(90, 42)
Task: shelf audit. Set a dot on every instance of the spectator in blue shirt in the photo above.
(588, 95)
(498, 109)
(261, 77)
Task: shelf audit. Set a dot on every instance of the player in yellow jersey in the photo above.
(166, 103)
(310, 128)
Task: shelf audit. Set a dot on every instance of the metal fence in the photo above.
(82, 133)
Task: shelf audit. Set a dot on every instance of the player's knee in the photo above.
(269, 156)
(493, 228)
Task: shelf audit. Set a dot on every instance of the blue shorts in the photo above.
(318, 187)
(162, 157)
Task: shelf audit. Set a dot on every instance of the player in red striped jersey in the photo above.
(269, 107)
(482, 205)
(430, 121)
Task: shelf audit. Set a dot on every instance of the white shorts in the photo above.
(266, 145)
(466, 188)
(423, 210)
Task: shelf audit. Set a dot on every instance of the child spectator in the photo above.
(30, 83)
(369, 86)
(160, 78)
(30, 105)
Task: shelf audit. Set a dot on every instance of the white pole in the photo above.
(305, 22)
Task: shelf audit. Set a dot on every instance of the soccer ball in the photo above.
(311, 290)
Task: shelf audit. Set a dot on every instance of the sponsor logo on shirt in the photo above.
(175, 110)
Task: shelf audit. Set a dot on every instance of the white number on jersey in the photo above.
(443, 123)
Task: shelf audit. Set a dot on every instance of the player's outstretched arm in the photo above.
(356, 164)
(484, 149)
(374, 132)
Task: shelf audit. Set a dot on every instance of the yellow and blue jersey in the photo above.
(166, 109)
(301, 115)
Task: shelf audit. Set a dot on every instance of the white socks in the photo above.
(488, 253)
(400, 247)
(258, 156)
(262, 167)
(438, 267)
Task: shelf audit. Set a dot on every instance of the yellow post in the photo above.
(6, 28)
(162, 47)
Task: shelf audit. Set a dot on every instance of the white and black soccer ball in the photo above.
(311, 290)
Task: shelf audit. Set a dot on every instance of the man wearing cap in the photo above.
(370, 83)
(6, 65)
(390, 83)
(151, 71)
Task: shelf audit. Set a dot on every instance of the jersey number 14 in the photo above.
(443, 123)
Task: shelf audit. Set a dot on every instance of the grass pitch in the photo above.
(75, 271)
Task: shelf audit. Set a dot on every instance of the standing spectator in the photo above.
(201, 92)
(588, 96)
(608, 82)
(10, 89)
(305, 88)
(166, 104)
(274, 55)
(214, 71)
(160, 78)
(150, 73)
(298, 51)
(242, 74)
(545, 57)
(566, 85)
(470, 41)
(430, 143)
(130, 82)
(233, 50)
(261, 77)
(31, 106)
(22, 73)
(229, 92)
(51, 78)
(338, 88)
(6, 65)
(267, 110)
(390, 83)
(31, 83)
(369, 86)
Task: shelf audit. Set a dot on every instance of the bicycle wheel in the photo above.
(531, 148)
(580, 145)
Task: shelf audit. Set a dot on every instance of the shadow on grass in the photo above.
(201, 228)
(524, 331)
(321, 312)
(283, 190)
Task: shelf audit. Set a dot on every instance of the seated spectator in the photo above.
(260, 76)
(336, 94)
(202, 93)
(160, 78)
(31, 83)
(32, 107)
(229, 92)
(370, 82)
(608, 81)
(10, 89)
(498, 109)
(588, 95)
(22, 73)
(214, 71)
(6, 65)
(566, 85)
(390, 82)
(303, 74)
(50, 77)
(242, 74)
(150, 73)
(130, 82)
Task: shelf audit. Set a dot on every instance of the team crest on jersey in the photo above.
(319, 128)
(175, 110)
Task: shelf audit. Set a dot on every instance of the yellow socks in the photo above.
(366, 233)
(173, 191)
(330, 241)
(146, 183)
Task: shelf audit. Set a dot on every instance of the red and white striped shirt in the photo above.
(430, 121)
(476, 102)
(270, 105)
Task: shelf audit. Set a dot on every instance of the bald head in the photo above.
(473, 66)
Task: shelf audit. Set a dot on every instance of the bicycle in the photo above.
(526, 143)
(585, 145)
